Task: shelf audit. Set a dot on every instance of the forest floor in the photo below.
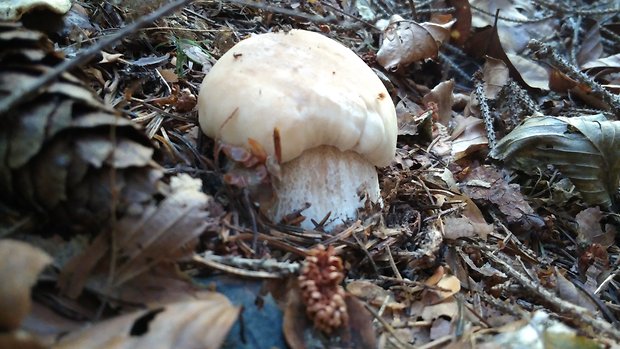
(122, 225)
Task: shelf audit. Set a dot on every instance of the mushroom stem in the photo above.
(331, 180)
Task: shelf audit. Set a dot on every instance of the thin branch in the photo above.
(29, 91)
(576, 312)
(544, 51)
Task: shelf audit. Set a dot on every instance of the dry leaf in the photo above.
(533, 74)
(583, 148)
(20, 266)
(110, 57)
(405, 42)
(495, 76)
(193, 324)
(449, 285)
(448, 308)
(590, 231)
(469, 136)
(570, 293)
(459, 227)
(442, 96)
(368, 291)
(612, 61)
(161, 233)
(486, 185)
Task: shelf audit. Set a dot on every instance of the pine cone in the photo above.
(63, 154)
(321, 291)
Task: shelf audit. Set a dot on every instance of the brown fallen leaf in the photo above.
(21, 265)
(495, 75)
(405, 42)
(460, 227)
(590, 231)
(448, 285)
(192, 324)
(469, 136)
(486, 186)
(160, 234)
(442, 96)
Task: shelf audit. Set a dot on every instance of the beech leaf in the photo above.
(584, 149)
(192, 324)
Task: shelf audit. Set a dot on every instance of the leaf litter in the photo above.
(105, 170)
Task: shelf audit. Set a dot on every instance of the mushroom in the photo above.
(336, 120)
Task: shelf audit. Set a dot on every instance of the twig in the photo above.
(486, 112)
(510, 19)
(523, 98)
(577, 313)
(211, 262)
(29, 91)
(398, 342)
(544, 51)
(270, 265)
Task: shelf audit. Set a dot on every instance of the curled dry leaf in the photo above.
(495, 75)
(469, 136)
(446, 286)
(193, 324)
(405, 42)
(20, 265)
(584, 149)
(460, 227)
(442, 96)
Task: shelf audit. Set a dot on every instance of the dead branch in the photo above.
(577, 313)
(29, 91)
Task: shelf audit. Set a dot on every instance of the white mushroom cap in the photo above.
(319, 95)
(313, 89)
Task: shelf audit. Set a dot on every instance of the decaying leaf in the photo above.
(160, 233)
(192, 324)
(590, 231)
(569, 292)
(469, 136)
(459, 227)
(495, 75)
(584, 149)
(443, 98)
(406, 42)
(20, 265)
(486, 186)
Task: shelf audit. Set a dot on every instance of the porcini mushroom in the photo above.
(335, 119)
